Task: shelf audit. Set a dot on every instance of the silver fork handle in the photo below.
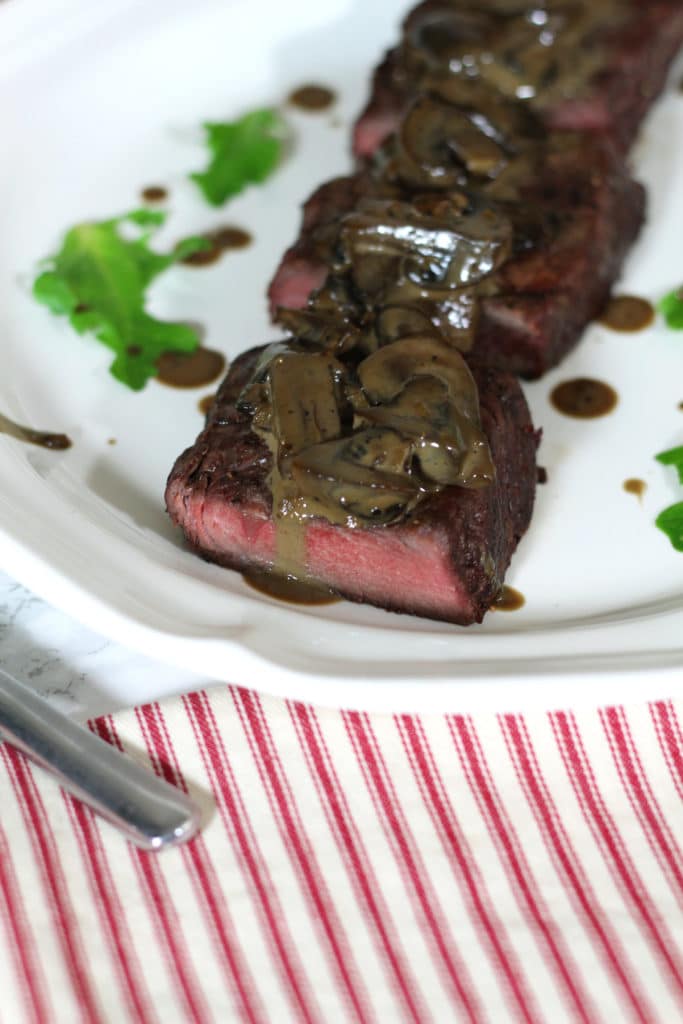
(149, 811)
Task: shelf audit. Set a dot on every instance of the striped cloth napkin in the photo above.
(357, 868)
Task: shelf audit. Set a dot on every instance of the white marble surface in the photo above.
(82, 673)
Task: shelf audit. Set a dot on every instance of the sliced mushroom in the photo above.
(524, 52)
(447, 441)
(510, 123)
(440, 146)
(439, 36)
(332, 333)
(385, 373)
(399, 321)
(362, 477)
(437, 248)
(305, 399)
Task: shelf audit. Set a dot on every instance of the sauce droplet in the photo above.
(508, 600)
(312, 97)
(292, 591)
(190, 369)
(205, 404)
(541, 475)
(228, 237)
(635, 486)
(627, 313)
(111, 440)
(584, 398)
(680, 406)
(43, 438)
(154, 194)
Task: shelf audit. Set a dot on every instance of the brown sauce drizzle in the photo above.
(154, 194)
(190, 369)
(635, 486)
(205, 404)
(220, 240)
(292, 591)
(508, 600)
(43, 438)
(627, 313)
(312, 98)
(584, 398)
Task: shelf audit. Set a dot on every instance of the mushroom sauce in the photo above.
(369, 407)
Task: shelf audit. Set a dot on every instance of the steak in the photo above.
(446, 561)
(575, 220)
(623, 57)
(536, 108)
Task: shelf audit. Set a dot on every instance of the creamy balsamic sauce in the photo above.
(190, 369)
(584, 398)
(222, 239)
(154, 194)
(292, 591)
(312, 98)
(627, 313)
(508, 600)
(635, 486)
(43, 438)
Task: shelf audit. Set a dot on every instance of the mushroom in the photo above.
(436, 248)
(385, 373)
(440, 146)
(364, 476)
(444, 423)
(305, 399)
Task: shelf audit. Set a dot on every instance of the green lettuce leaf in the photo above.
(98, 279)
(243, 152)
(672, 308)
(671, 522)
(673, 457)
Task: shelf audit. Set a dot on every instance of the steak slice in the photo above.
(444, 561)
(608, 74)
(574, 222)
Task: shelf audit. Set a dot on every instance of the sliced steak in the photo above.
(445, 561)
(574, 219)
(592, 67)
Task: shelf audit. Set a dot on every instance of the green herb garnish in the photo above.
(670, 521)
(672, 308)
(673, 457)
(243, 152)
(99, 278)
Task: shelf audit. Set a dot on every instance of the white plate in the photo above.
(100, 100)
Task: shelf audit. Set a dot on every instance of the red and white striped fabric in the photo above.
(357, 868)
